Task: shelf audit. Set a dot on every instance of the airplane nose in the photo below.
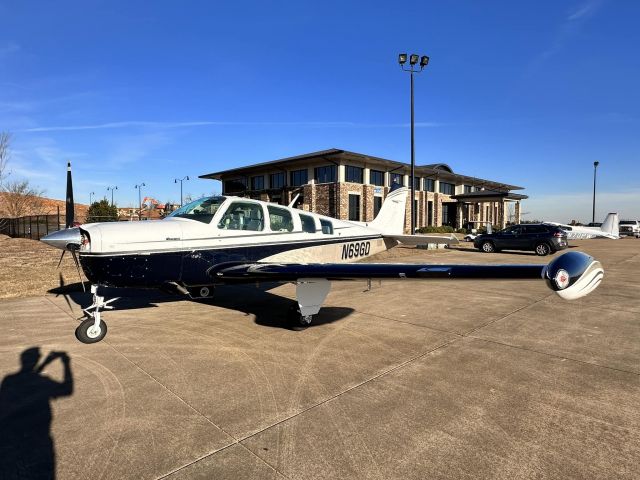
(63, 238)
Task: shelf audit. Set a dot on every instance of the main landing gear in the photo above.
(310, 294)
(93, 329)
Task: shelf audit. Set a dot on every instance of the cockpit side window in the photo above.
(308, 223)
(243, 216)
(280, 219)
(327, 226)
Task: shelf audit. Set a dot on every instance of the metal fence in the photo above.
(32, 226)
(37, 226)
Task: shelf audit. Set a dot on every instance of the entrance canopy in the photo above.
(488, 196)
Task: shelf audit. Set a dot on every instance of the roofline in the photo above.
(428, 170)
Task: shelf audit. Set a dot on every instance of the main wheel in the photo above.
(487, 247)
(296, 320)
(543, 249)
(88, 333)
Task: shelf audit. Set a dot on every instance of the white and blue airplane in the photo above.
(223, 239)
(608, 229)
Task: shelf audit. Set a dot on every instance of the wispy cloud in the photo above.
(169, 125)
(567, 30)
(586, 9)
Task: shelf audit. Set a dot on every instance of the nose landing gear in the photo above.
(93, 329)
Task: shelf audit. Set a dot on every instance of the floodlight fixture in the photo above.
(424, 61)
(402, 58)
(413, 59)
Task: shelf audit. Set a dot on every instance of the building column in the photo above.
(459, 214)
(341, 173)
(516, 215)
(366, 176)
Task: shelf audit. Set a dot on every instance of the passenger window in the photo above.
(308, 223)
(280, 219)
(327, 226)
(243, 216)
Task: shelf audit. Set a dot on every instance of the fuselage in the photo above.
(182, 247)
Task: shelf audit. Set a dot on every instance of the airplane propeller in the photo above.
(69, 217)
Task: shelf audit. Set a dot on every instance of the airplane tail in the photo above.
(610, 224)
(390, 218)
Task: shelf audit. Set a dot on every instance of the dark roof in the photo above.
(473, 196)
(433, 170)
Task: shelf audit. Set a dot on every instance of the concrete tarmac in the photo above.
(432, 379)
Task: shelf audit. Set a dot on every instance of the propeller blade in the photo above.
(61, 257)
(70, 214)
(75, 259)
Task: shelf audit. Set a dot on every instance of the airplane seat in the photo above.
(255, 222)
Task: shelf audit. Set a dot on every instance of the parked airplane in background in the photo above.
(222, 239)
(609, 229)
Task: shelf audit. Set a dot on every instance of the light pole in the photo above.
(176, 180)
(91, 194)
(413, 60)
(139, 188)
(112, 189)
(593, 213)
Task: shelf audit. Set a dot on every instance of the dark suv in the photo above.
(538, 237)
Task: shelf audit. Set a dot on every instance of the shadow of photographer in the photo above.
(26, 447)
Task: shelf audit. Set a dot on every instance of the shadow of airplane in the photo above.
(26, 447)
(269, 309)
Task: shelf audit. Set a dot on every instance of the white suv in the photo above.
(630, 227)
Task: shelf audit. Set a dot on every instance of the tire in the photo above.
(87, 334)
(488, 247)
(543, 249)
(295, 320)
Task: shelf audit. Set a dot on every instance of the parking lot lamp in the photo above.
(593, 213)
(112, 189)
(176, 180)
(139, 188)
(91, 194)
(413, 68)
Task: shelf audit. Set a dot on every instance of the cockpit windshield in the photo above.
(201, 210)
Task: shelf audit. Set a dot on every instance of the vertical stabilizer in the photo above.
(610, 225)
(390, 218)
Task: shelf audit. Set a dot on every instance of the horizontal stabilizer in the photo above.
(424, 239)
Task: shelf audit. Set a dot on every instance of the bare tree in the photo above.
(20, 199)
(5, 153)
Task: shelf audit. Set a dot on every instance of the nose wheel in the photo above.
(93, 329)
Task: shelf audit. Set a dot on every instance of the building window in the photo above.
(354, 207)
(243, 216)
(276, 180)
(326, 174)
(376, 177)
(377, 205)
(308, 223)
(235, 186)
(468, 189)
(429, 185)
(447, 188)
(280, 219)
(257, 183)
(430, 213)
(298, 177)
(327, 226)
(353, 174)
(449, 214)
(416, 213)
(396, 178)
(416, 183)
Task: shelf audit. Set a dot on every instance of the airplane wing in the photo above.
(571, 275)
(424, 239)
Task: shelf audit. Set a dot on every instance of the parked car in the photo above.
(630, 228)
(540, 238)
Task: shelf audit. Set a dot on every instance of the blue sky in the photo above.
(529, 93)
